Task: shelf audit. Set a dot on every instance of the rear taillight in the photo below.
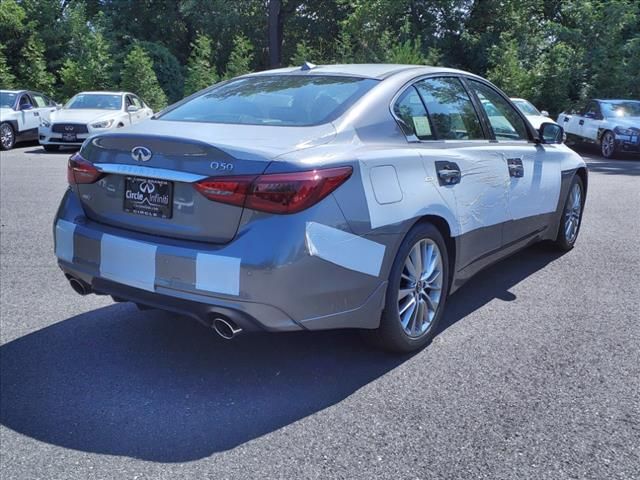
(275, 192)
(80, 170)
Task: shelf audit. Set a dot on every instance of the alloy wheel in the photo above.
(608, 145)
(420, 287)
(572, 213)
(6, 136)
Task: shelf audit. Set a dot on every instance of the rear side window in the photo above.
(414, 120)
(287, 100)
(41, 102)
(452, 114)
(505, 121)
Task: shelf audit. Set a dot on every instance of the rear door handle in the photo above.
(516, 169)
(448, 173)
(581, 122)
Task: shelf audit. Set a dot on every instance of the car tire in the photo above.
(608, 145)
(401, 328)
(51, 148)
(7, 136)
(571, 216)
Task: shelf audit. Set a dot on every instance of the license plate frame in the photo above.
(149, 197)
(69, 137)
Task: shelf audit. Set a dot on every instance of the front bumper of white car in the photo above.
(66, 133)
(628, 143)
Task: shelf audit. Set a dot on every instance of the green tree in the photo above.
(506, 69)
(305, 53)
(240, 58)
(32, 70)
(89, 66)
(138, 77)
(7, 78)
(167, 69)
(200, 72)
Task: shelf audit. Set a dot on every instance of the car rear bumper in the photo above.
(266, 279)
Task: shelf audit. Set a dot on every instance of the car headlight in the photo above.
(45, 123)
(624, 131)
(103, 124)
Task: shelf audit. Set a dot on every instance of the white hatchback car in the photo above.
(91, 112)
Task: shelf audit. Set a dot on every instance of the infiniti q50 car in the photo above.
(345, 196)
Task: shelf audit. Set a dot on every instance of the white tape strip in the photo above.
(215, 273)
(128, 261)
(64, 240)
(344, 249)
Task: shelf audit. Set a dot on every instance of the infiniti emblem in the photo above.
(68, 128)
(141, 154)
(147, 187)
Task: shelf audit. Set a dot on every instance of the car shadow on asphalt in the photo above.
(149, 385)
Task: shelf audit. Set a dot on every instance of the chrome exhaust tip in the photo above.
(225, 328)
(79, 286)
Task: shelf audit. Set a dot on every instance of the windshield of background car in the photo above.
(630, 108)
(7, 100)
(526, 108)
(286, 100)
(97, 101)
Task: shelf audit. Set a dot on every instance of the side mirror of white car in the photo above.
(132, 109)
(544, 113)
(550, 133)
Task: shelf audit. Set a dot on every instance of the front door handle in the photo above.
(516, 169)
(448, 173)
(581, 122)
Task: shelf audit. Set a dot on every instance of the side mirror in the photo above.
(589, 115)
(132, 109)
(550, 133)
(26, 106)
(544, 113)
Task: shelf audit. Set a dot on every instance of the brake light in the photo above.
(80, 170)
(275, 192)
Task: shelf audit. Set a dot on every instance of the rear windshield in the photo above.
(526, 108)
(286, 100)
(93, 100)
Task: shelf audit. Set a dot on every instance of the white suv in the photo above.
(21, 112)
(91, 112)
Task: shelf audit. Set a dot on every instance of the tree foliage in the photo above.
(554, 52)
(138, 76)
(200, 71)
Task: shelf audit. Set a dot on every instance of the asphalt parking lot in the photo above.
(535, 373)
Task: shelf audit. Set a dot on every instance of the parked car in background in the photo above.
(20, 114)
(90, 112)
(321, 197)
(613, 125)
(535, 116)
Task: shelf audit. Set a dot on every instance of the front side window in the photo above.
(505, 121)
(450, 109)
(592, 110)
(95, 100)
(414, 120)
(286, 100)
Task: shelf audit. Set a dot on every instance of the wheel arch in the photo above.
(584, 176)
(445, 230)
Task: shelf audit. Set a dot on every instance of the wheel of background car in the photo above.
(571, 216)
(51, 148)
(7, 136)
(608, 145)
(416, 293)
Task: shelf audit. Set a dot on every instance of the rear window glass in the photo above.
(287, 100)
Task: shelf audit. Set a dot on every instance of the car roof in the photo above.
(615, 100)
(13, 91)
(102, 92)
(378, 71)
(517, 99)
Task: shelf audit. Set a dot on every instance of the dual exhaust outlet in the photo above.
(227, 329)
